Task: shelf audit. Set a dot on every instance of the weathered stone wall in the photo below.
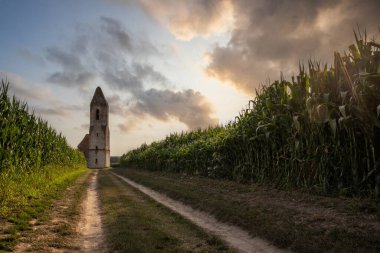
(100, 157)
(99, 136)
(103, 115)
(99, 146)
(108, 159)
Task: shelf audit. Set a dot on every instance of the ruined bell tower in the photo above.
(96, 144)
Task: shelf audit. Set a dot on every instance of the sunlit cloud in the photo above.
(28, 90)
(188, 19)
(270, 37)
(40, 99)
(118, 68)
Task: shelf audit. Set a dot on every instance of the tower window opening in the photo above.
(97, 114)
(96, 149)
(96, 161)
(97, 134)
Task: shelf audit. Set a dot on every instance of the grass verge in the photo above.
(135, 223)
(294, 220)
(27, 196)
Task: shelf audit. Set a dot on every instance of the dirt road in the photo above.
(73, 223)
(105, 212)
(234, 236)
(90, 225)
(136, 223)
(56, 229)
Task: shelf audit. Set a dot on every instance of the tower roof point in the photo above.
(99, 97)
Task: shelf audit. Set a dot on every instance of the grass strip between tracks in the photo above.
(135, 223)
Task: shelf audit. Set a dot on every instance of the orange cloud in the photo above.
(188, 19)
(270, 37)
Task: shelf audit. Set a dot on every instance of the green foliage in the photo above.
(27, 142)
(320, 131)
(32, 155)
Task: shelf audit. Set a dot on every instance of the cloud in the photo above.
(110, 39)
(116, 105)
(127, 127)
(59, 109)
(30, 56)
(39, 98)
(73, 72)
(114, 28)
(109, 53)
(52, 111)
(187, 106)
(24, 89)
(273, 36)
(71, 78)
(132, 78)
(85, 126)
(101, 48)
(123, 80)
(147, 72)
(66, 59)
(187, 19)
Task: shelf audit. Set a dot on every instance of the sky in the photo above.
(164, 65)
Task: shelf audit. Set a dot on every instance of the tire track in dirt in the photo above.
(236, 237)
(55, 230)
(90, 225)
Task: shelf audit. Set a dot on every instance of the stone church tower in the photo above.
(96, 144)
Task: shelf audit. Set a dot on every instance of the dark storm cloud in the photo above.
(108, 52)
(273, 36)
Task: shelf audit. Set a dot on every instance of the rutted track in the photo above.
(236, 237)
(90, 225)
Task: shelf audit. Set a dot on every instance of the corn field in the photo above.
(320, 131)
(27, 142)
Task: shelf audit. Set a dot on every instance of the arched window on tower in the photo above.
(97, 114)
(96, 149)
